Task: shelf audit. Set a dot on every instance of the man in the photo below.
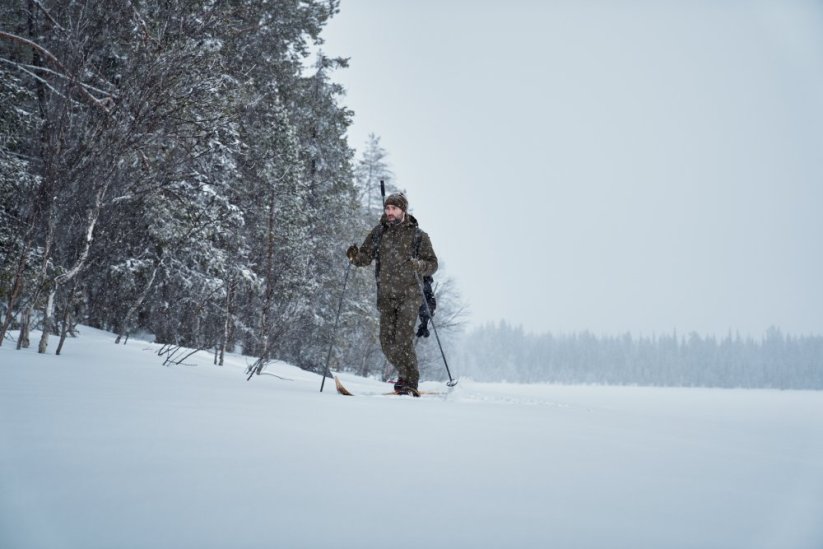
(400, 250)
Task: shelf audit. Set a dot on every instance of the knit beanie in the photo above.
(398, 200)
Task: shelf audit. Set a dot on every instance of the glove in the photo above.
(416, 264)
(351, 253)
(423, 329)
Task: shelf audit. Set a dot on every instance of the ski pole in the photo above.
(452, 382)
(334, 331)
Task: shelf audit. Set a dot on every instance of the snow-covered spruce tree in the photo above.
(285, 120)
(176, 250)
(257, 47)
(267, 65)
(331, 207)
(273, 197)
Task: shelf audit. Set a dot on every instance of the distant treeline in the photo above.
(504, 353)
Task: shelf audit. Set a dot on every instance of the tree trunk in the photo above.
(63, 331)
(225, 338)
(230, 342)
(66, 322)
(16, 290)
(364, 366)
(41, 284)
(23, 341)
(265, 319)
(126, 326)
(48, 312)
(75, 269)
(197, 341)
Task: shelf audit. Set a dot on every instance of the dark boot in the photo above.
(404, 387)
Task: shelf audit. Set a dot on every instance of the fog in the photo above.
(612, 167)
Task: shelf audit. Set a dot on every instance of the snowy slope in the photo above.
(105, 447)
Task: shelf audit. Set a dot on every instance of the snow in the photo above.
(105, 447)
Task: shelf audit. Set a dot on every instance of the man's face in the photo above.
(393, 213)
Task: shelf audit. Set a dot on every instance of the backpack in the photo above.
(428, 291)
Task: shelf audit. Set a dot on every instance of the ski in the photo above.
(343, 391)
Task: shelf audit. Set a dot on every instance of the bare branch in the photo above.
(104, 103)
(48, 15)
(27, 68)
(22, 68)
(34, 45)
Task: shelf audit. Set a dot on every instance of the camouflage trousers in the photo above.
(397, 319)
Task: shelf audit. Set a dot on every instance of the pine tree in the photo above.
(371, 169)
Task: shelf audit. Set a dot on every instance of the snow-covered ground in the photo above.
(105, 447)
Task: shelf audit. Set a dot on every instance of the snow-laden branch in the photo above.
(105, 103)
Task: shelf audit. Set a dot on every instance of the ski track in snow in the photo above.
(106, 447)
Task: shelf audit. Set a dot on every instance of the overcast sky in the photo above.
(604, 166)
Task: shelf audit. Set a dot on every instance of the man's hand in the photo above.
(416, 265)
(423, 329)
(351, 253)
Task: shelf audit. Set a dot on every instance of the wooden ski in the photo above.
(343, 391)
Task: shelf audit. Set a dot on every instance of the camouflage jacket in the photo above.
(392, 246)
